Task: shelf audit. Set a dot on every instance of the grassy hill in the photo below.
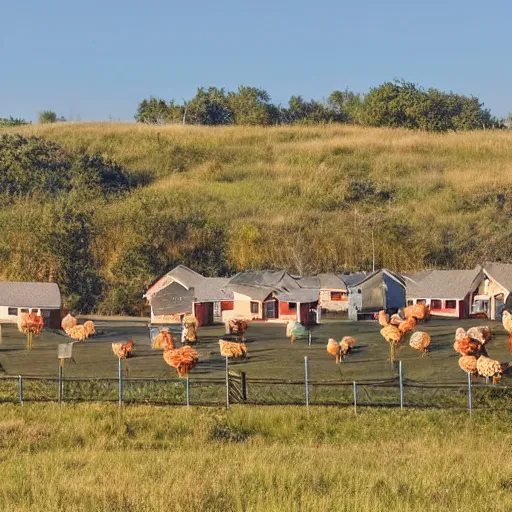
(301, 198)
(141, 459)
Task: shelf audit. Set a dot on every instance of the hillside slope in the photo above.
(301, 198)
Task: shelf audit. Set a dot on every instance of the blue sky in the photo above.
(95, 60)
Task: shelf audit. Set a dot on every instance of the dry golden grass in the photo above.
(98, 458)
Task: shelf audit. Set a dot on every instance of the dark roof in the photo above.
(185, 276)
(211, 289)
(30, 295)
(445, 284)
(260, 284)
(416, 276)
(501, 273)
(393, 275)
(331, 282)
(267, 278)
(353, 279)
(308, 282)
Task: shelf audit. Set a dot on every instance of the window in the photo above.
(451, 304)
(410, 302)
(255, 307)
(23, 310)
(436, 304)
(292, 306)
(421, 301)
(34, 310)
(337, 296)
(12, 311)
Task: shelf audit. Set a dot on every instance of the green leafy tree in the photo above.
(209, 107)
(47, 116)
(251, 106)
(11, 121)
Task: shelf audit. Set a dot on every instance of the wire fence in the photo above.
(238, 388)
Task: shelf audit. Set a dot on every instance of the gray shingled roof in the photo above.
(30, 295)
(185, 276)
(354, 278)
(212, 289)
(444, 284)
(501, 273)
(267, 278)
(309, 282)
(394, 275)
(301, 295)
(331, 282)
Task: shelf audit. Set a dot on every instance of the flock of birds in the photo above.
(471, 345)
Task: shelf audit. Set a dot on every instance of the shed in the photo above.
(381, 289)
(30, 297)
(449, 293)
(274, 295)
(333, 293)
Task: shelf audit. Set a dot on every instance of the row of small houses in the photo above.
(279, 296)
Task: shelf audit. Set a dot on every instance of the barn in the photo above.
(182, 291)
(41, 298)
(333, 293)
(381, 289)
(449, 293)
(274, 295)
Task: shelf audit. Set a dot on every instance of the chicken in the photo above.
(30, 324)
(232, 349)
(468, 364)
(396, 320)
(163, 340)
(420, 341)
(68, 322)
(489, 368)
(460, 333)
(334, 349)
(469, 347)
(183, 359)
(347, 344)
(418, 311)
(189, 333)
(407, 325)
(482, 333)
(78, 333)
(383, 318)
(90, 328)
(123, 350)
(506, 319)
(238, 326)
(393, 336)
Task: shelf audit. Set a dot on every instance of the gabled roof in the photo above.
(185, 276)
(354, 278)
(501, 273)
(331, 282)
(308, 282)
(397, 277)
(445, 284)
(30, 295)
(260, 284)
(416, 276)
(212, 289)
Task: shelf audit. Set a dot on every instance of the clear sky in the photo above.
(95, 60)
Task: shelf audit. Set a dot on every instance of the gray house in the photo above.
(381, 289)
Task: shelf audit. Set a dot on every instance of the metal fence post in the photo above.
(0, 333)
(187, 391)
(20, 389)
(227, 382)
(309, 338)
(401, 380)
(120, 380)
(355, 397)
(60, 382)
(306, 382)
(470, 405)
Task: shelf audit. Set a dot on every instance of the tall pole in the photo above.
(60, 381)
(373, 249)
(187, 391)
(401, 379)
(20, 389)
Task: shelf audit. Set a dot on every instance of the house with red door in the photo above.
(274, 295)
(182, 292)
(449, 293)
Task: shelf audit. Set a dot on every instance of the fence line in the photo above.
(238, 388)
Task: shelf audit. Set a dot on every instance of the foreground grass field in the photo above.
(140, 459)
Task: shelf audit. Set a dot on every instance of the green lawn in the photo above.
(270, 353)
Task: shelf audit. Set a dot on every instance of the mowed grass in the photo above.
(139, 459)
(270, 353)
